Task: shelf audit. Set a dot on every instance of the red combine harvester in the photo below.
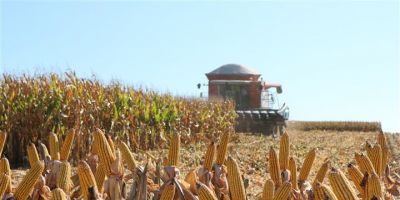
(257, 105)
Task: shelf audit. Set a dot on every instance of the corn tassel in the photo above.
(373, 187)
(54, 147)
(33, 155)
(3, 138)
(274, 169)
(322, 172)
(284, 152)
(341, 186)
(27, 184)
(375, 155)
(59, 194)
(209, 157)
(174, 147)
(306, 168)
(100, 177)
(86, 179)
(356, 176)
(364, 163)
(104, 151)
(67, 144)
(205, 193)
(127, 156)
(268, 190)
(283, 193)
(385, 150)
(5, 169)
(64, 178)
(235, 182)
(5, 181)
(222, 148)
(293, 173)
(168, 193)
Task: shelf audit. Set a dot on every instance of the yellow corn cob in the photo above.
(33, 155)
(64, 177)
(4, 184)
(27, 184)
(373, 187)
(174, 147)
(111, 143)
(5, 169)
(385, 150)
(222, 148)
(67, 144)
(86, 179)
(283, 193)
(274, 169)
(209, 157)
(206, 193)
(318, 191)
(364, 163)
(268, 191)
(306, 168)
(191, 178)
(235, 182)
(293, 173)
(104, 151)
(3, 138)
(341, 186)
(100, 177)
(58, 194)
(322, 172)
(127, 156)
(168, 193)
(328, 192)
(375, 155)
(356, 176)
(284, 152)
(54, 147)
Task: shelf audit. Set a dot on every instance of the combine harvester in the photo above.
(257, 105)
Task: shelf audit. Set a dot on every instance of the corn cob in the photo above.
(268, 191)
(67, 144)
(373, 187)
(385, 150)
(5, 181)
(27, 184)
(293, 173)
(364, 163)
(58, 194)
(191, 179)
(64, 177)
(341, 186)
(375, 155)
(235, 182)
(222, 148)
(318, 191)
(306, 168)
(33, 155)
(322, 172)
(111, 143)
(356, 176)
(209, 157)
(54, 147)
(168, 193)
(283, 193)
(174, 147)
(205, 193)
(328, 192)
(127, 156)
(86, 179)
(284, 152)
(100, 177)
(274, 168)
(104, 151)
(3, 138)
(5, 169)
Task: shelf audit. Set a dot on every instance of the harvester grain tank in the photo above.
(257, 106)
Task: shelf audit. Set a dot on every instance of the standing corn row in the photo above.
(3, 138)
(293, 173)
(268, 190)
(86, 179)
(222, 148)
(364, 163)
(356, 176)
(375, 155)
(205, 193)
(274, 168)
(174, 147)
(33, 155)
(168, 192)
(54, 147)
(209, 157)
(64, 177)
(67, 144)
(283, 192)
(373, 187)
(58, 194)
(322, 172)
(5, 169)
(104, 151)
(127, 156)
(284, 151)
(235, 182)
(4, 184)
(306, 168)
(341, 186)
(25, 188)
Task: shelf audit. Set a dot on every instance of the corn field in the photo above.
(31, 107)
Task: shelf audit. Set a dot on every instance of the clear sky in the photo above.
(335, 60)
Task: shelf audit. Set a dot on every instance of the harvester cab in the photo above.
(257, 105)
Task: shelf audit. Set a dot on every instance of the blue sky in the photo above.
(335, 60)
